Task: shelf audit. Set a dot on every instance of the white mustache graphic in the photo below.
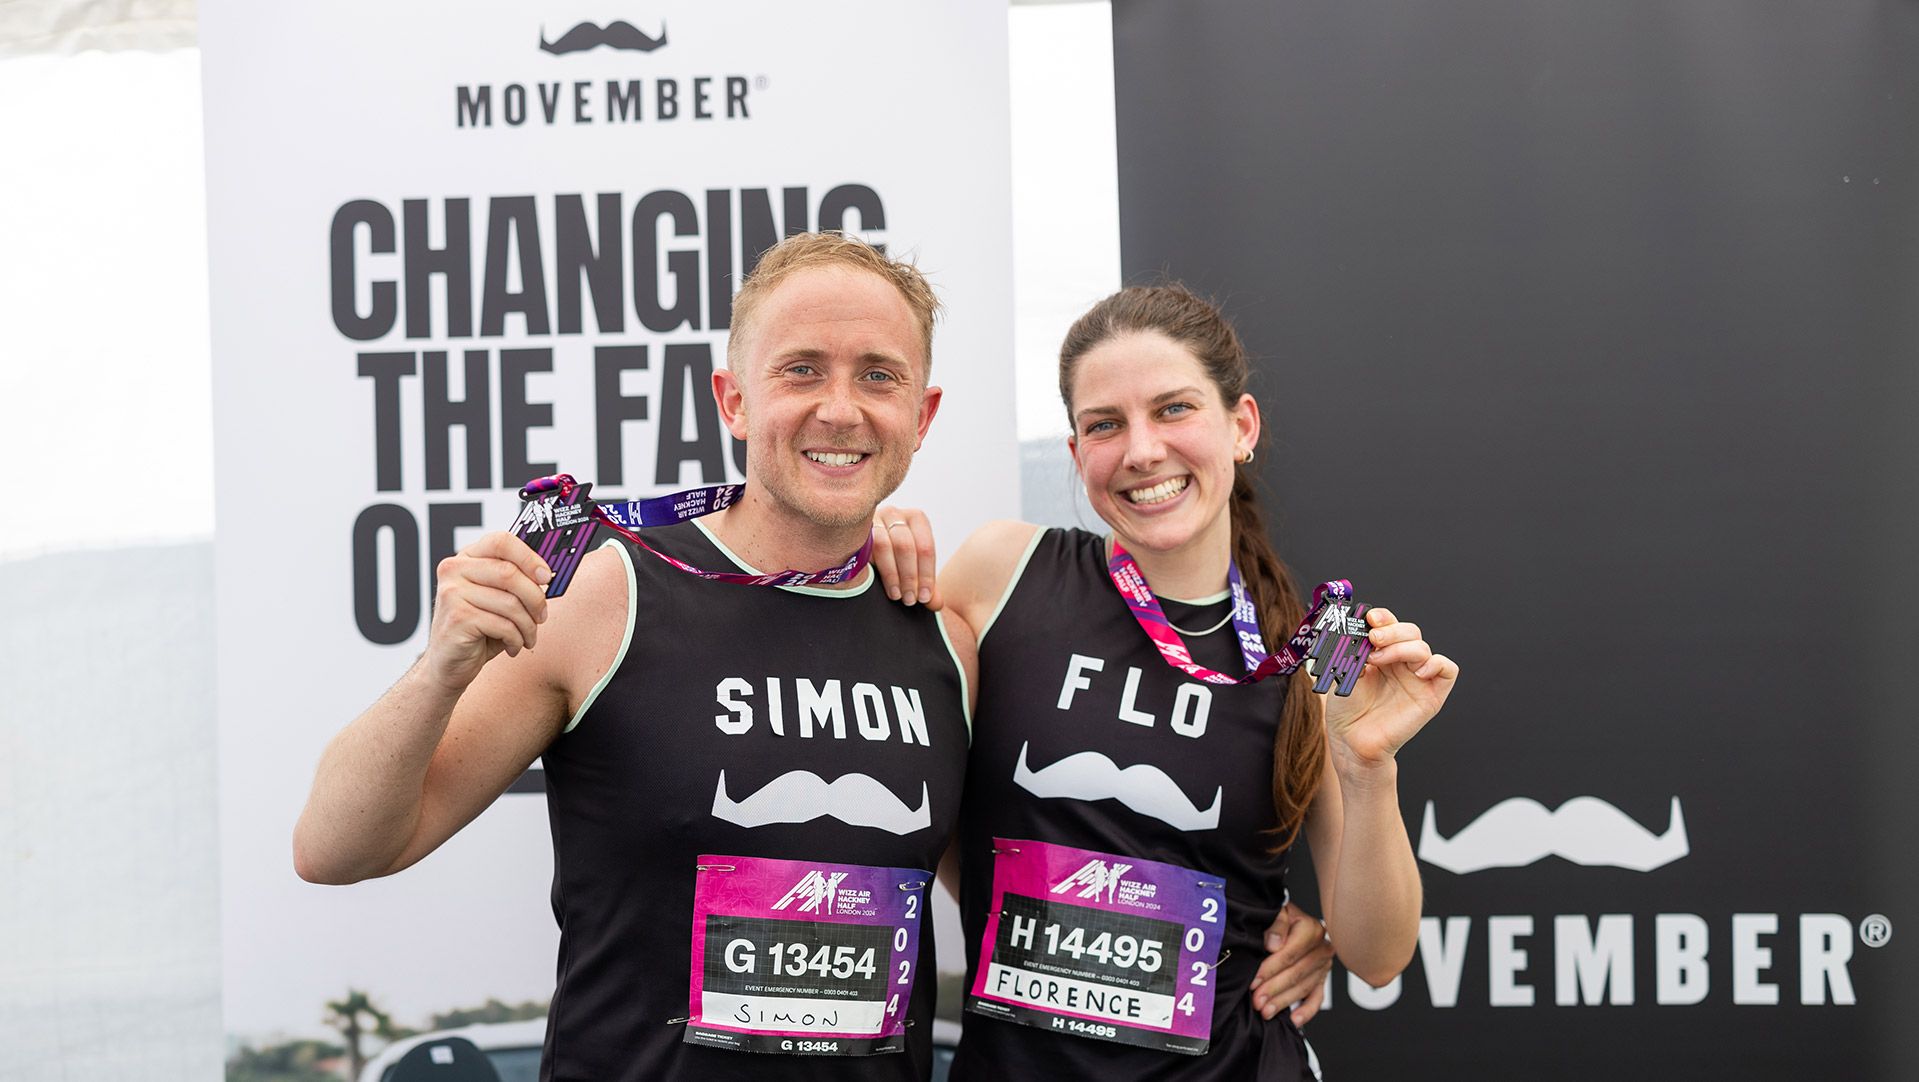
(1146, 789)
(1585, 830)
(801, 796)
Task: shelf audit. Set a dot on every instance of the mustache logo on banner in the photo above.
(618, 34)
(1585, 830)
(1145, 788)
(801, 796)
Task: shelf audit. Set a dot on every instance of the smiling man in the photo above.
(747, 786)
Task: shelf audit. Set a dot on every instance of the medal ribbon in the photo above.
(627, 516)
(1332, 639)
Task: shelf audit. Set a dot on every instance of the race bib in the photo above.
(803, 958)
(1100, 946)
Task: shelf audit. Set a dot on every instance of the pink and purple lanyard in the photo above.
(557, 519)
(1331, 642)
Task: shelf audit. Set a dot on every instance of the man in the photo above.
(693, 731)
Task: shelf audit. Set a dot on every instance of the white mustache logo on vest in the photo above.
(801, 796)
(1145, 788)
(1585, 830)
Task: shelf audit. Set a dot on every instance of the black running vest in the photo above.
(632, 788)
(1055, 666)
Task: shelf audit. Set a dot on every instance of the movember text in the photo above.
(1597, 960)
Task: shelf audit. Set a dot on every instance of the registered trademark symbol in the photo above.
(1875, 930)
(759, 82)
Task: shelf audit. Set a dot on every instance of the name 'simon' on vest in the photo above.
(822, 709)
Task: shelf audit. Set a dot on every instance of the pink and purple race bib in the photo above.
(803, 958)
(1101, 946)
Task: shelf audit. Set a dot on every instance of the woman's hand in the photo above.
(1404, 685)
(903, 556)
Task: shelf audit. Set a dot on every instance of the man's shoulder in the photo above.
(587, 623)
(601, 576)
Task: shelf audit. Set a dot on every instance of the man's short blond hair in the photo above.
(804, 251)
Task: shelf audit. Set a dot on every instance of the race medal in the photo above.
(1340, 645)
(1101, 946)
(559, 526)
(803, 958)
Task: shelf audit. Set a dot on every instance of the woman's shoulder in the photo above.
(984, 568)
(982, 575)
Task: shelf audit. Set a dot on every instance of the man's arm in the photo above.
(446, 740)
(1292, 976)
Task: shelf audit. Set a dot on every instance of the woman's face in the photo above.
(1155, 446)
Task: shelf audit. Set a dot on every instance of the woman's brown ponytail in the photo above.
(1299, 750)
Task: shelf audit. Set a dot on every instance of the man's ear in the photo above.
(929, 405)
(731, 398)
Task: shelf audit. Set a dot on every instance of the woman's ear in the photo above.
(1246, 427)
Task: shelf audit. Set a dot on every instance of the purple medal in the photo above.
(1331, 642)
(558, 517)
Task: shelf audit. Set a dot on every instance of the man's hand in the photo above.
(491, 597)
(1293, 973)
(903, 556)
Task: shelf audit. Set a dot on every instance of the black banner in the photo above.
(1620, 303)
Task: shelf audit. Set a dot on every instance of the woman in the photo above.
(1087, 741)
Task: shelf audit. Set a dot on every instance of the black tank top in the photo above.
(632, 792)
(1055, 667)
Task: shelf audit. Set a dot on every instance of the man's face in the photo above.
(829, 394)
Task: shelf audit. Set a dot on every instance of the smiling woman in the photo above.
(1175, 835)
(1156, 444)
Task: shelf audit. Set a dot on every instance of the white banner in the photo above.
(455, 246)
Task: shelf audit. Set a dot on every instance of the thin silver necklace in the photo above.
(1208, 631)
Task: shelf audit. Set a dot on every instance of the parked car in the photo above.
(512, 1047)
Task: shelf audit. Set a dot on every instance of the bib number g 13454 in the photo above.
(803, 958)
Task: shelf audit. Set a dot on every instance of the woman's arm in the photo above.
(972, 583)
(1360, 844)
(1368, 878)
